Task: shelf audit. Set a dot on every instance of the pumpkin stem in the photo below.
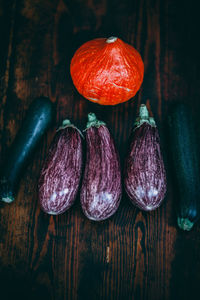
(93, 121)
(144, 117)
(111, 39)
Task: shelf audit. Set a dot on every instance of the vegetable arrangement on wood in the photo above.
(144, 172)
(186, 163)
(107, 71)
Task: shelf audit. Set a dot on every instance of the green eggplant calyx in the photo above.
(144, 117)
(93, 121)
(66, 123)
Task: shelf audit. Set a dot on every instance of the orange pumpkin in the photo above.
(107, 71)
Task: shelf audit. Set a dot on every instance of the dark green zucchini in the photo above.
(185, 157)
(38, 119)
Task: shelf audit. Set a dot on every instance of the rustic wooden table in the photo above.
(133, 255)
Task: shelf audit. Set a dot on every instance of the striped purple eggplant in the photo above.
(60, 176)
(144, 172)
(101, 187)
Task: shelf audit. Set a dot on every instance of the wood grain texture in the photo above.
(133, 255)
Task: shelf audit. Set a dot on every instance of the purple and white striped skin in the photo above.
(60, 176)
(144, 172)
(101, 187)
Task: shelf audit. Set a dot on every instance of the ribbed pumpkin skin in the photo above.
(107, 73)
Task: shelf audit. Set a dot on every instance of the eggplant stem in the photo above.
(144, 117)
(66, 123)
(143, 114)
(185, 224)
(93, 121)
